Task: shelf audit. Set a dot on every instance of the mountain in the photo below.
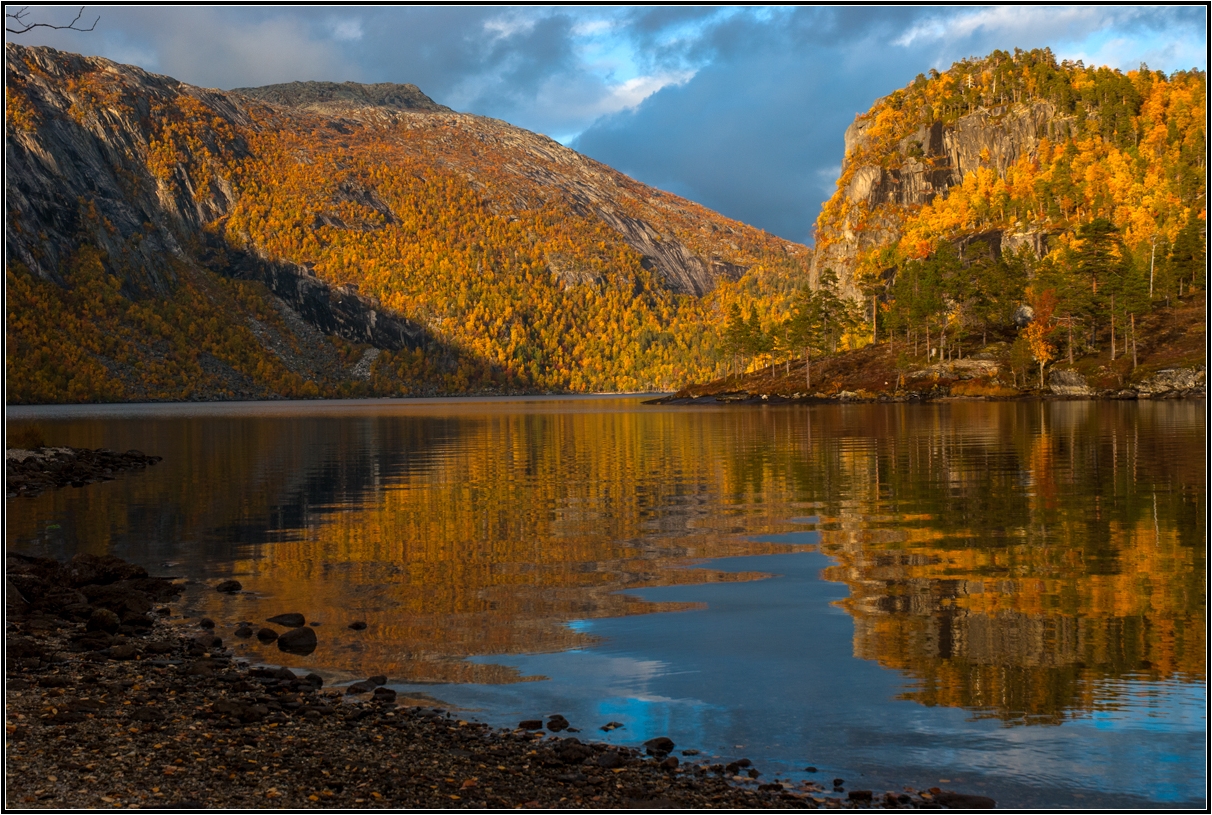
(1018, 150)
(172, 242)
(1012, 225)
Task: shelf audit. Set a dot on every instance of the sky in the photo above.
(739, 109)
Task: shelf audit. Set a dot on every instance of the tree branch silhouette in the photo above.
(15, 22)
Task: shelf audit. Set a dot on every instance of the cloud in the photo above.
(1119, 36)
(214, 47)
(739, 108)
(348, 30)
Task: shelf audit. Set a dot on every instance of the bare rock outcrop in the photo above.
(1177, 382)
(926, 163)
(1064, 382)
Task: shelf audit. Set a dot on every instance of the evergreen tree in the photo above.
(1189, 256)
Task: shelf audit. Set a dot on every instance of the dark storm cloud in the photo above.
(742, 109)
(757, 134)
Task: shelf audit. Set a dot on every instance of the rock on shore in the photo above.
(31, 472)
(108, 705)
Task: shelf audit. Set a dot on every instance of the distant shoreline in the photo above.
(80, 409)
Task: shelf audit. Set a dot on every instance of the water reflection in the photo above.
(1018, 561)
(1014, 573)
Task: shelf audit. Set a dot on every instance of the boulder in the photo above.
(301, 641)
(1068, 383)
(102, 619)
(661, 744)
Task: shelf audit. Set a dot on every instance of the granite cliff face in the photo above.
(884, 185)
(77, 167)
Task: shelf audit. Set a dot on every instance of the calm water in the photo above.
(1006, 598)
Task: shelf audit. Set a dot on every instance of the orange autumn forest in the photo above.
(315, 239)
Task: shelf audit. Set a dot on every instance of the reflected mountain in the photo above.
(1007, 558)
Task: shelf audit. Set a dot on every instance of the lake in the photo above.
(1006, 599)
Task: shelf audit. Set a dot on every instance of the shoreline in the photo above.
(108, 704)
(967, 380)
(746, 398)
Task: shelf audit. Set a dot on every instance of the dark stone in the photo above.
(660, 746)
(690, 752)
(158, 648)
(207, 623)
(611, 726)
(102, 619)
(284, 673)
(358, 626)
(206, 641)
(837, 782)
(119, 598)
(267, 635)
(314, 679)
(291, 620)
(386, 695)
(254, 713)
(244, 632)
(314, 624)
(122, 652)
(531, 724)
(87, 569)
(136, 620)
(671, 763)
(959, 800)
(571, 751)
(609, 760)
(859, 795)
(229, 587)
(301, 641)
(557, 723)
(377, 679)
(753, 773)
(810, 769)
(365, 686)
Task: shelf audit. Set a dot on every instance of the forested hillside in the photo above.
(1032, 211)
(171, 242)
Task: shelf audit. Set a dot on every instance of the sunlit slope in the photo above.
(526, 265)
(1020, 150)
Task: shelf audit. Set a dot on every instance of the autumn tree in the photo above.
(1039, 329)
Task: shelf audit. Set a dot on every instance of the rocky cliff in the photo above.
(884, 184)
